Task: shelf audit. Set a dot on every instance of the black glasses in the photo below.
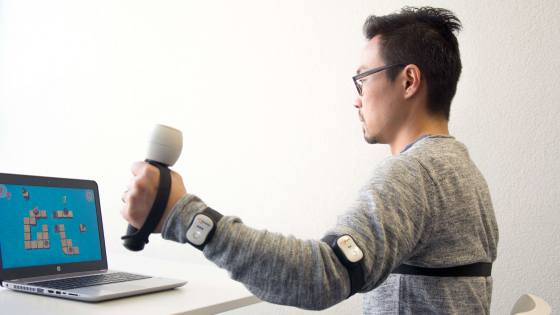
(357, 78)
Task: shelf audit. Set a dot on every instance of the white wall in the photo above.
(263, 94)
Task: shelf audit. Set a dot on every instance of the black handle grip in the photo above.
(135, 239)
(132, 243)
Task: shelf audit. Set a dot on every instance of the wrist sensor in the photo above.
(202, 228)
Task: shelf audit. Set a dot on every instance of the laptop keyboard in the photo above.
(88, 281)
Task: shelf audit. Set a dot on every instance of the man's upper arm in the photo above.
(391, 217)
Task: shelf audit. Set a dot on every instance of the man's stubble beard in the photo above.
(373, 139)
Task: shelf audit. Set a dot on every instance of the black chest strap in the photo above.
(472, 270)
(357, 280)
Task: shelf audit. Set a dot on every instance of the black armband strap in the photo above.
(472, 270)
(355, 268)
(202, 227)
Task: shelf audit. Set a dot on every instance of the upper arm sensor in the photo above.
(347, 251)
(350, 255)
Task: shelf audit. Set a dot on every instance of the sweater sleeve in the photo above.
(386, 221)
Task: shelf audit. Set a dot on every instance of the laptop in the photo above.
(52, 244)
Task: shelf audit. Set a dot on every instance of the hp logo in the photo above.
(58, 268)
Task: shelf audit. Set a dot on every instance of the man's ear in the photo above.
(412, 78)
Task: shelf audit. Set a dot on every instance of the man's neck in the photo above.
(414, 130)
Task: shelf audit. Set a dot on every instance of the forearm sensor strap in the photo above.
(202, 227)
(351, 257)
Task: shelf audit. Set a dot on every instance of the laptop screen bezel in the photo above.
(62, 268)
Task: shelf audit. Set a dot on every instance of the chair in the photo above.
(529, 304)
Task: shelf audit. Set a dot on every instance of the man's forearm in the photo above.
(276, 268)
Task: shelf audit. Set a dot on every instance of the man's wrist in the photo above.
(181, 215)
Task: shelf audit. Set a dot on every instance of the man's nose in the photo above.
(358, 101)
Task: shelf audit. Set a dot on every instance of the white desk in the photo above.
(209, 291)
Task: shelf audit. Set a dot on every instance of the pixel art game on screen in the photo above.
(47, 225)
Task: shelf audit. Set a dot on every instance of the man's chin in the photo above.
(371, 139)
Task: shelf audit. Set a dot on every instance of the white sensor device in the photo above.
(349, 248)
(198, 232)
(164, 144)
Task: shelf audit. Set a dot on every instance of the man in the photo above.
(425, 206)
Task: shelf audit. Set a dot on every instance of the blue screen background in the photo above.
(14, 209)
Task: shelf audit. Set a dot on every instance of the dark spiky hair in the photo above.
(423, 37)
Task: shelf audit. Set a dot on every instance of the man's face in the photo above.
(379, 105)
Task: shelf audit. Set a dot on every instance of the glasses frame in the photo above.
(372, 71)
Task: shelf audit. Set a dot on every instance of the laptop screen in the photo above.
(47, 225)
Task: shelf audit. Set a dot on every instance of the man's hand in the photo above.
(141, 193)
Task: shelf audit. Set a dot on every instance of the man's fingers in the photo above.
(144, 169)
(146, 179)
(130, 183)
(124, 213)
(142, 190)
(139, 167)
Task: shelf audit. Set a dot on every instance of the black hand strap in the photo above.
(472, 270)
(356, 272)
(135, 239)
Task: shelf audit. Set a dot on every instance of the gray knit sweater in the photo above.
(428, 206)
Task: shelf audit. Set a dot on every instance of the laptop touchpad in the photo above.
(119, 287)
